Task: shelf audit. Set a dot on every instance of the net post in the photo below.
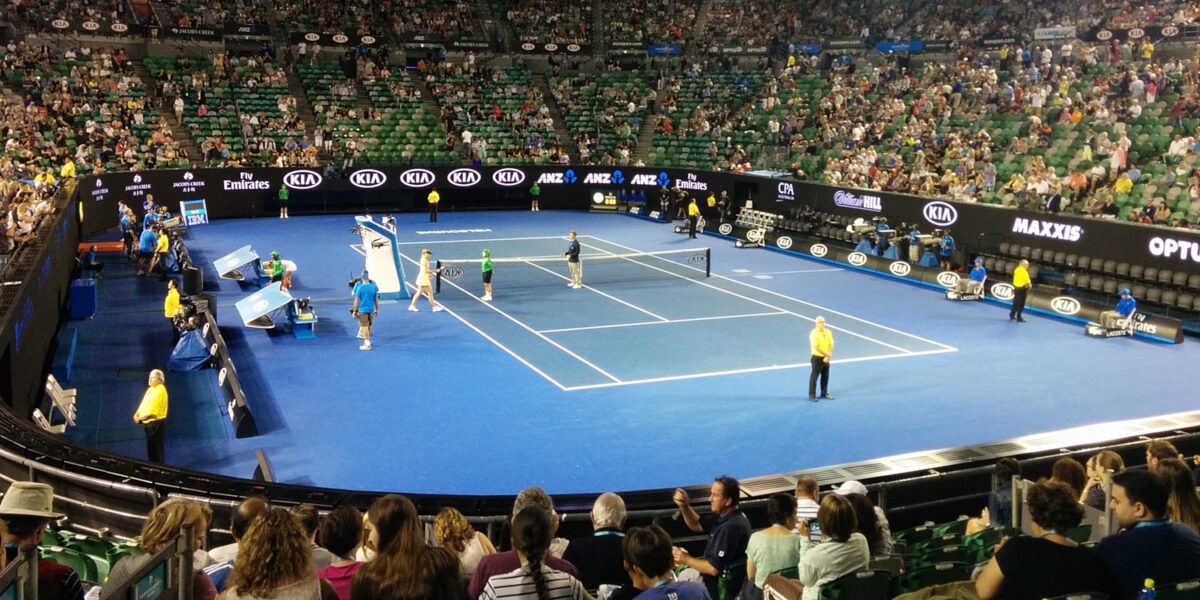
(438, 274)
(708, 262)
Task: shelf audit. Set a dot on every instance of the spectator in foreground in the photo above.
(310, 519)
(842, 549)
(532, 530)
(1070, 472)
(340, 534)
(405, 566)
(1183, 504)
(506, 562)
(872, 521)
(807, 495)
(728, 533)
(222, 557)
(274, 561)
(26, 509)
(598, 556)
(772, 549)
(647, 552)
(1149, 545)
(1099, 466)
(1048, 564)
(161, 529)
(454, 533)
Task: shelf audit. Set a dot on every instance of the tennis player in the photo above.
(487, 274)
(423, 284)
(572, 255)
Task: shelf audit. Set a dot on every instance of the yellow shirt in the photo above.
(693, 210)
(1021, 278)
(164, 243)
(712, 201)
(434, 197)
(821, 341)
(153, 406)
(171, 304)
(68, 169)
(1123, 185)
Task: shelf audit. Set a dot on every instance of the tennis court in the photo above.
(640, 317)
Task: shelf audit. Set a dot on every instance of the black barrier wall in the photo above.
(28, 335)
(250, 192)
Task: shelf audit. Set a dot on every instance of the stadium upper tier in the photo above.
(1113, 130)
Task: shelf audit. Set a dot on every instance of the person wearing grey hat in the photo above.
(26, 509)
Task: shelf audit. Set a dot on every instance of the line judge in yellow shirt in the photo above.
(821, 341)
(1021, 284)
(152, 415)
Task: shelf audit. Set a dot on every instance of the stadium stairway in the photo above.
(599, 39)
(305, 110)
(166, 113)
(645, 138)
(560, 129)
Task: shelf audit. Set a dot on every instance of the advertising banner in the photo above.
(1054, 33)
(91, 27)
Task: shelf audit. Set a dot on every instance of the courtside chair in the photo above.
(860, 585)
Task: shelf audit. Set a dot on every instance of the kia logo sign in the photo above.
(784, 242)
(417, 177)
(368, 39)
(302, 179)
(948, 279)
(1170, 31)
(819, 250)
(90, 25)
(312, 37)
(857, 259)
(940, 213)
(754, 235)
(464, 177)
(725, 228)
(340, 39)
(452, 272)
(119, 27)
(367, 178)
(509, 177)
(1136, 33)
(1065, 305)
(576, 48)
(1003, 291)
(551, 47)
(60, 24)
(900, 268)
(528, 47)
(1104, 35)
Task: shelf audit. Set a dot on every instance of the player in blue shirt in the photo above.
(366, 308)
(146, 245)
(945, 250)
(1119, 318)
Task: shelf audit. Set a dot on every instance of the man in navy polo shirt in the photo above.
(728, 533)
(1149, 545)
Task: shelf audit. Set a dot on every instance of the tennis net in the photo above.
(539, 271)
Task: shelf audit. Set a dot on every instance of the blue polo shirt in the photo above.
(1159, 550)
(727, 540)
(1126, 306)
(678, 590)
(365, 294)
(978, 273)
(148, 241)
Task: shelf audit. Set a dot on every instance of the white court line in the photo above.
(754, 273)
(641, 323)
(760, 302)
(359, 249)
(544, 237)
(609, 296)
(774, 293)
(751, 370)
(527, 328)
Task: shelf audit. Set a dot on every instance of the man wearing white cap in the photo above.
(26, 509)
(856, 487)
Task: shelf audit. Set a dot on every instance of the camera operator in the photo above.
(883, 233)
(914, 244)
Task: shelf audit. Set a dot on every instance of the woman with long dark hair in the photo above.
(405, 568)
(1183, 504)
(532, 530)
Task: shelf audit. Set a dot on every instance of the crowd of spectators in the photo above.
(561, 22)
(660, 22)
(215, 15)
(809, 540)
(603, 112)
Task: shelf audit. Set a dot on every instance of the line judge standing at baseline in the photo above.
(693, 214)
(152, 415)
(572, 255)
(821, 341)
(1021, 284)
(434, 197)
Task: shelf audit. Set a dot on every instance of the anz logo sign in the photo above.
(509, 177)
(464, 177)
(302, 179)
(368, 178)
(614, 178)
(644, 179)
(416, 178)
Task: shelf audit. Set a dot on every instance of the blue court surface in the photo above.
(652, 375)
